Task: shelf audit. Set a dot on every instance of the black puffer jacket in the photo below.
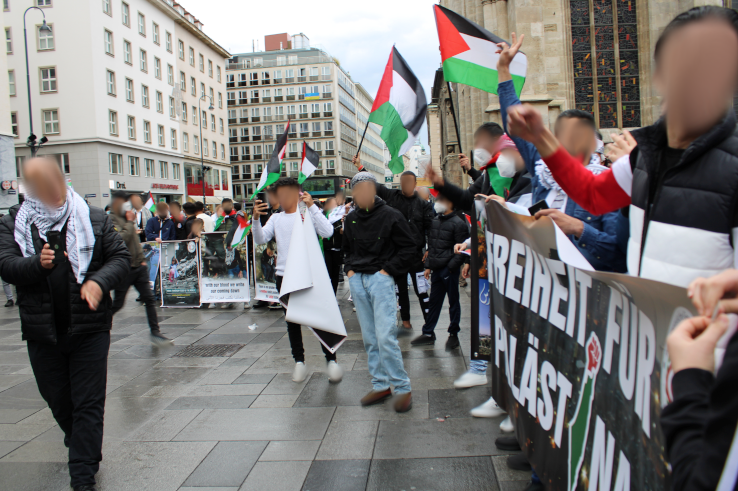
(109, 266)
(446, 231)
(377, 239)
(417, 212)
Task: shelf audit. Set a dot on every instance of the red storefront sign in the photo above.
(164, 186)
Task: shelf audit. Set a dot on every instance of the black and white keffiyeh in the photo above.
(74, 212)
(557, 196)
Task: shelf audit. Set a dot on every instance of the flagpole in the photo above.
(362, 138)
(453, 114)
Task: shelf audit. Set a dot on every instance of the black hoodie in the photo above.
(377, 239)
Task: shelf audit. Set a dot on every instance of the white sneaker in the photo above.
(470, 379)
(335, 372)
(489, 409)
(300, 372)
(506, 426)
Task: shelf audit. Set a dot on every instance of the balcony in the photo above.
(244, 120)
(291, 135)
(314, 78)
(255, 119)
(305, 135)
(292, 155)
(269, 137)
(247, 176)
(242, 83)
(230, 85)
(232, 121)
(277, 81)
(318, 172)
(234, 158)
(315, 115)
(267, 118)
(233, 139)
(325, 77)
(245, 157)
(301, 97)
(316, 134)
(254, 82)
(330, 172)
(257, 156)
(243, 102)
(278, 98)
(265, 82)
(244, 138)
(319, 152)
(330, 152)
(304, 115)
(327, 95)
(301, 79)
(231, 102)
(289, 80)
(254, 100)
(279, 117)
(290, 97)
(327, 114)
(266, 99)
(256, 138)
(328, 133)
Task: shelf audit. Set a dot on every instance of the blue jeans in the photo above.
(444, 281)
(478, 367)
(376, 307)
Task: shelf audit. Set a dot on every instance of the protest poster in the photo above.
(225, 277)
(578, 358)
(265, 272)
(151, 256)
(481, 337)
(180, 274)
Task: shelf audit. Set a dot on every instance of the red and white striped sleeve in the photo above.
(598, 194)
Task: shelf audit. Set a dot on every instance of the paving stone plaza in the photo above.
(238, 422)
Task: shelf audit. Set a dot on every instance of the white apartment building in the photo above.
(8, 178)
(324, 106)
(115, 88)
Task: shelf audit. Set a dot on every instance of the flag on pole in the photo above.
(221, 217)
(150, 204)
(310, 161)
(399, 108)
(272, 169)
(244, 225)
(468, 53)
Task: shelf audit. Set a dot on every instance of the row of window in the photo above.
(37, 3)
(256, 96)
(131, 132)
(49, 118)
(278, 112)
(44, 39)
(115, 166)
(268, 131)
(275, 76)
(244, 172)
(46, 77)
(249, 152)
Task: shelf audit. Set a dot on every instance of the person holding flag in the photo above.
(226, 217)
(273, 169)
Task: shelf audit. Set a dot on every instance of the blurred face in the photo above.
(424, 193)
(227, 207)
(577, 137)
(516, 157)
(196, 228)
(136, 202)
(444, 204)
(117, 206)
(485, 141)
(407, 184)
(272, 199)
(46, 181)
(162, 211)
(697, 74)
(340, 198)
(288, 196)
(176, 210)
(330, 203)
(363, 194)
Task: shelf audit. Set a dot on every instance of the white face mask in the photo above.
(439, 207)
(506, 165)
(127, 206)
(482, 156)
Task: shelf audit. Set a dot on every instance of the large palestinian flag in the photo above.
(310, 162)
(468, 53)
(244, 225)
(399, 108)
(272, 169)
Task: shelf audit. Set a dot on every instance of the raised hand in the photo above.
(507, 53)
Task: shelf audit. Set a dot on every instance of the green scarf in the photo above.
(499, 184)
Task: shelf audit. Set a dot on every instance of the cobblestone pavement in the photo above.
(239, 422)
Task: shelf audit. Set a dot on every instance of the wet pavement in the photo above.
(238, 422)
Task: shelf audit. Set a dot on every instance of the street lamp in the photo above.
(35, 147)
(202, 148)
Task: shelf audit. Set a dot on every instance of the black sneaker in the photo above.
(9, 303)
(452, 342)
(519, 462)
(507, 443)
(85, 487)
(260, 304)
(158, 339)
(424, 339)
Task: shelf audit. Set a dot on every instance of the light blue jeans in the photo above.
(478, 367)
(376, 307)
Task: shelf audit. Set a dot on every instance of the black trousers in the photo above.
(139, 278)
(402, 295)
(444, 282)
(333, 264)
(294, 331)
(71, 377)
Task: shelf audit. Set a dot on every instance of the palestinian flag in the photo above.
(244, 225)
(468, 53)
(150, 204)
(310, 161)
(221, 217)
(271, 171)
(399, 108)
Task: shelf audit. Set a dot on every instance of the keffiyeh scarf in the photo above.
(548, 182)
(74, 213)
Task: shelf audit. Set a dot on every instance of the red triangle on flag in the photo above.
(385, 86)
(451, 41)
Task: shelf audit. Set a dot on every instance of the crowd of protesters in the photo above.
(659, 202)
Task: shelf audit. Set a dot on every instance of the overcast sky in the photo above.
(359, 34)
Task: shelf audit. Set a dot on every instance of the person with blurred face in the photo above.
(226, 215)
(142, 215)
(280, 226)
(65, 312)
(332, 245)
(377, 248)
(138, 274)
(442, 268)
(161, 227)
(175, 210)
(419, 215)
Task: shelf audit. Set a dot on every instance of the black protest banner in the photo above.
(578, 359)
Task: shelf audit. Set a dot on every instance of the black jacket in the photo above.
(377, 239)
(700, 425)
(463, 199)
(110, 264)
(417, 212)
(335, 241)
(446, 231)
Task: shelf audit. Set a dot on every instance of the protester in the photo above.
(65, 315)
(678, 182)
(280, 226)
(138, 273)
(419, 214)
(161, 227)
(424, 193)
(178, 218)
(332, 245)
(142, 216)
(226, 217)
(378, 247)
(8, 294)
(442, 268)
(263, 218)
(190, 216)
(197, 227)
(204, 216)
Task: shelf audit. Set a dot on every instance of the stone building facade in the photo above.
(594, 55)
